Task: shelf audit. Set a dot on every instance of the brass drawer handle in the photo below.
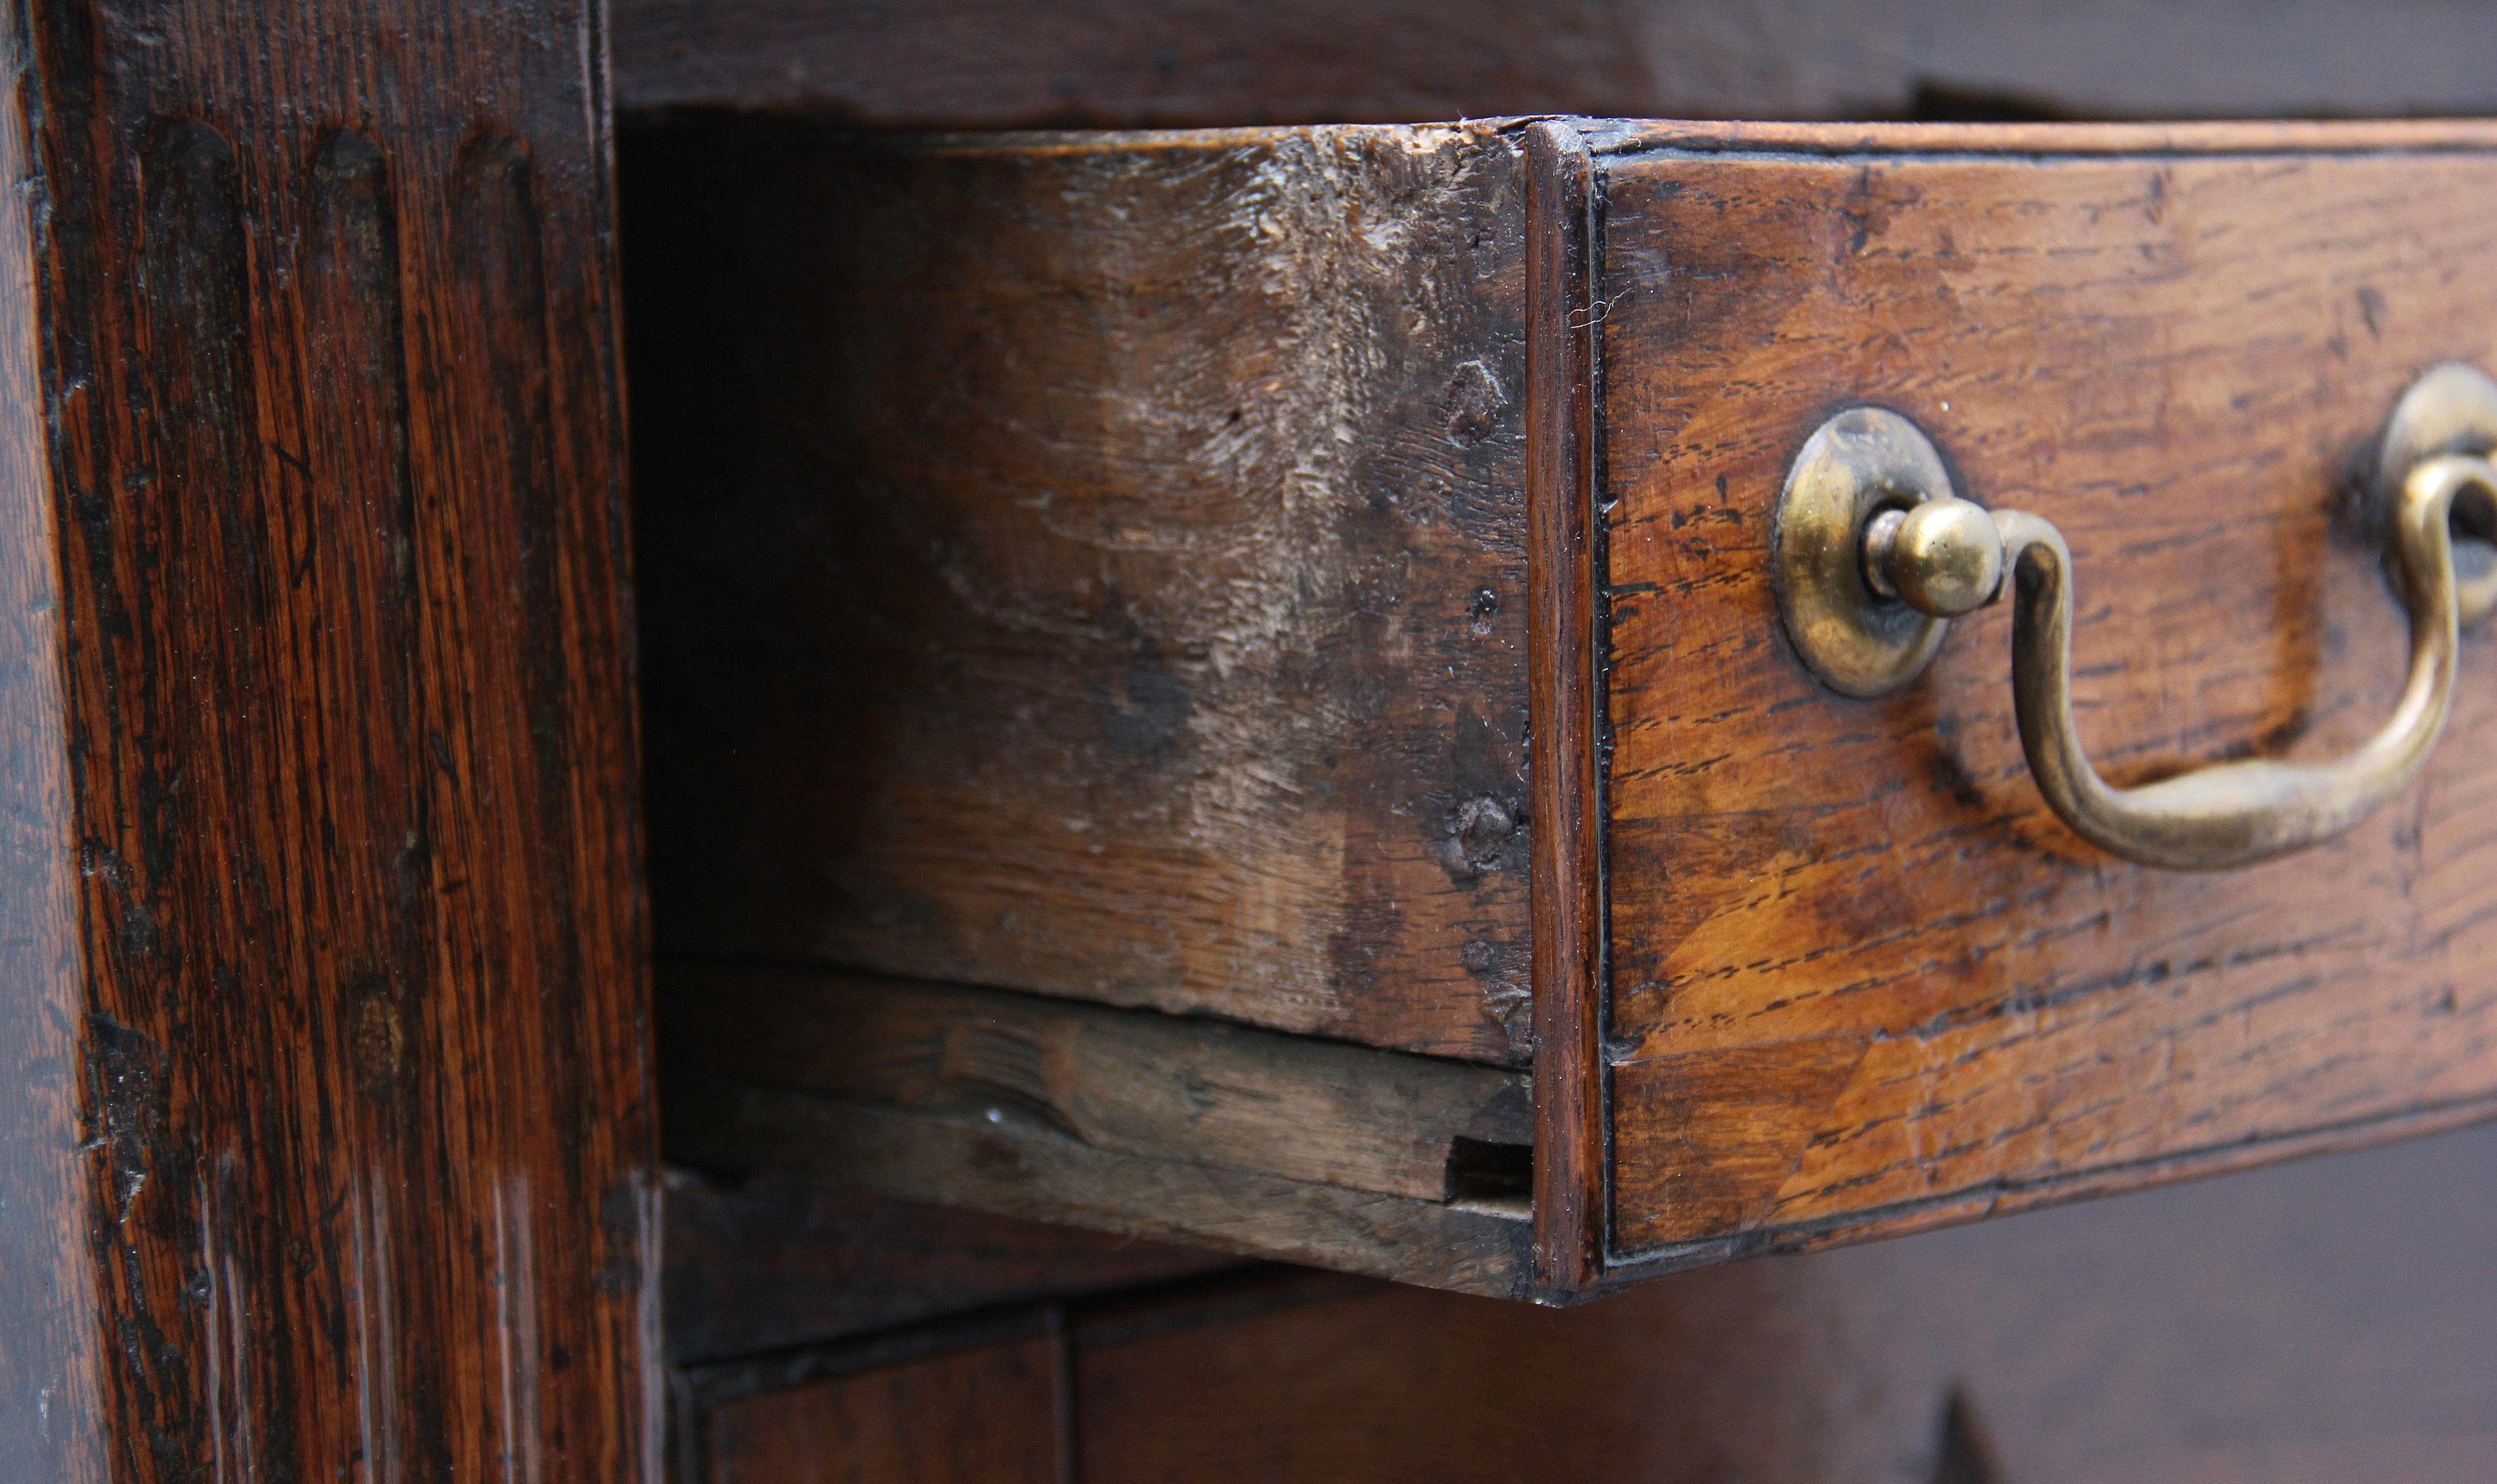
(1874, 554)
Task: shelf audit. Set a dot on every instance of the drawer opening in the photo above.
(1487, 1176)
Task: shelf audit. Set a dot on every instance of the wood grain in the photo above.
(1561, 557)
(989, 64)
(992, 648)
(1094, 567)
(1161, 1088)
(334, 1150)
(1031, 1170)
(980, 1416)
(1858, 970)
(769, 1263)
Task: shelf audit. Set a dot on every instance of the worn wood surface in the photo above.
(327, 1140)
(1214, 1135)
(2272, 1327)
(986, 64)
(1163, 1088)
(1094, 567)
(987, 1415)
(1027, 1168)
(769, 1263)
(1860, 977)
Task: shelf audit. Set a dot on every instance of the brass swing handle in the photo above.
(2231, 814)
(1916, 555)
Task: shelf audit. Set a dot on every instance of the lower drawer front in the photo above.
(1859, 973)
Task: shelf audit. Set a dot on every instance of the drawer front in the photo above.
(1860, 977)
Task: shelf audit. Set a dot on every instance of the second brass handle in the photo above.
(1874, 551)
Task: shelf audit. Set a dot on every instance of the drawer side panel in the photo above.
(1096, 565)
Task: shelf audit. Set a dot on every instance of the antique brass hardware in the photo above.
(1875, 553)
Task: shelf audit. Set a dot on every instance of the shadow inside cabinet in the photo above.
(2324, 1320)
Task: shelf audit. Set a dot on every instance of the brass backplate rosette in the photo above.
(2453, 409)
(1855, 466)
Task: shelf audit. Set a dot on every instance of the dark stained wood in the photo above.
(960, 64)
(2275, 1326)
(768, 1263)
(979, 1416)
(328, 1136)
(1160, 1087)
(1860, 977)
(1094, 567)
(1560, 563)
(1671, 1382)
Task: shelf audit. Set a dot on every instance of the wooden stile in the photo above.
(327, 1141)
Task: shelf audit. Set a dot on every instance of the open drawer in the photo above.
(1323, 691)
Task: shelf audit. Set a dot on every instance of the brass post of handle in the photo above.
(1874, 554)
